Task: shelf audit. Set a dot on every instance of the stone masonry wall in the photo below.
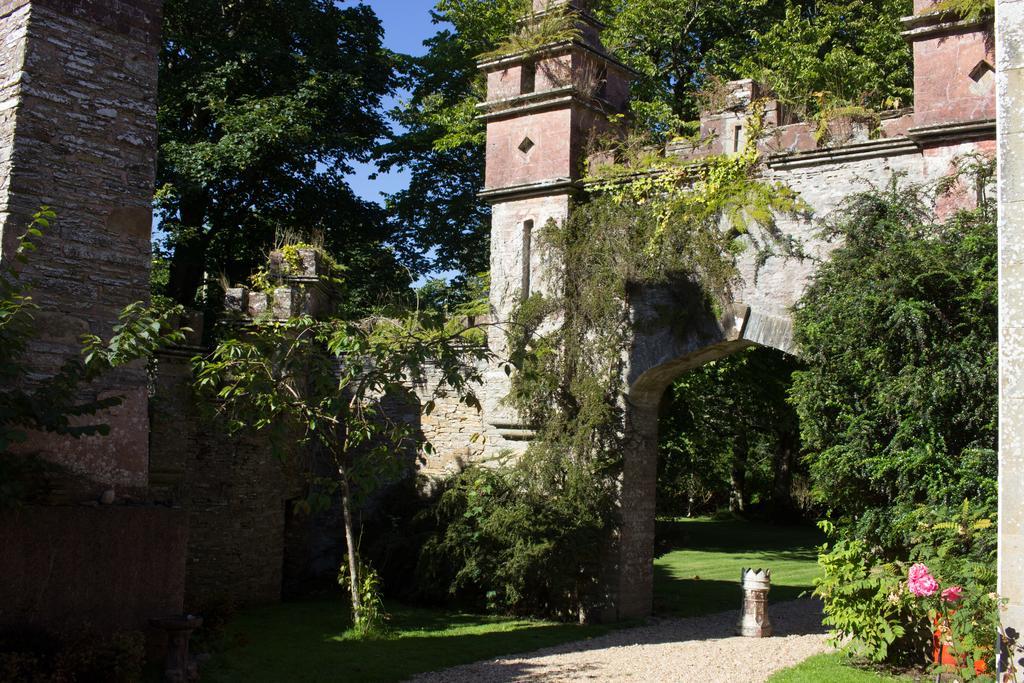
(1010, 84)
(112, 567)
(83, 141)
(234, 490)
(13, 28)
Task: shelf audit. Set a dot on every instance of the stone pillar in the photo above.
(542, 108)
(754, 621)
(78, 127)
(633, 586)
(1010, 122)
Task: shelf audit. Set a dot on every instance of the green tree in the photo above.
(320, 383)
(263, 108)
(898, 403)
(441, 143)
(823, 55)
(729, 436)
(676, 45)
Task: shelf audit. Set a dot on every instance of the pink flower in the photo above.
(952, 594)
(920, 581)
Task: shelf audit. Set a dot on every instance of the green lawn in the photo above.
(307, 641)
(700, 574)
(830, 668)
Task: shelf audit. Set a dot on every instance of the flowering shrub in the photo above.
(920, 582)
(939, 607)
(965, 628)
(867, 604)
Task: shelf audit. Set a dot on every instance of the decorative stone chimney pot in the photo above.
(754, 622)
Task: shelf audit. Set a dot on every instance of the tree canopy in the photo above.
(264, 106)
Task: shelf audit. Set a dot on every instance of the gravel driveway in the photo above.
(700, 649)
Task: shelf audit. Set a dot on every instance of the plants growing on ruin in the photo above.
(557, 24)
(852, 51)
(641, 227)
(325, 383)
(58, 403)
(970, 10)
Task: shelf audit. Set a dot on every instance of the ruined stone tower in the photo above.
(78, 134)
(542, 106)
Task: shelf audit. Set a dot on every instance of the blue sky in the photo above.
(406, 25)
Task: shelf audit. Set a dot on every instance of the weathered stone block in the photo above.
(287, 302)
(236, 300)
(258, 304)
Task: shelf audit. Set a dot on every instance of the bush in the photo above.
(508, 545)
(878, 610)
(897, 405)
(40, 657)
(866, 607)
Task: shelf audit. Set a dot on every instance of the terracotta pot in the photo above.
(942, 654)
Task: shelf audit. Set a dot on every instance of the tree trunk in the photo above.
(350, 545)
(188, 263)
(782, 480)
(738, 482)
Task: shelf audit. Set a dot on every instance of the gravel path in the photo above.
(700, 649)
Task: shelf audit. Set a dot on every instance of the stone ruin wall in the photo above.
(78, 120)
(952, 116)
(78, 133)
(1010, 77)
(90, 104)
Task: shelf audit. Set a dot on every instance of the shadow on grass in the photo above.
(308, 641)
(675, 597)
(698, 569)
(735, 536)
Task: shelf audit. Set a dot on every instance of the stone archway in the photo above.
(657, 358)
(530, 184)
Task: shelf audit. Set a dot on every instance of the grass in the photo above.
(308, 641)
(699, 573)
(832, 668)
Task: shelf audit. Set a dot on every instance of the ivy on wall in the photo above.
(529, 529)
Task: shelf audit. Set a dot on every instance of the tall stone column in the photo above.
(78, 88)
(633, 584)
(1010, 124)
(542, 108)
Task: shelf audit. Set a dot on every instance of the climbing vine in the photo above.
(649, 220)
(671, 223)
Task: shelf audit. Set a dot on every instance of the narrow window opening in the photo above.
(737, 138)
(528, 78)
(602, 83)
(527, 257)
(981, 70)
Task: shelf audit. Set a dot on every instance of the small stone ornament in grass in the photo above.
(754, 621)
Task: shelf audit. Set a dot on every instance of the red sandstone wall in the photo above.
(944, 89)
(550, 132)
(111, 567)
